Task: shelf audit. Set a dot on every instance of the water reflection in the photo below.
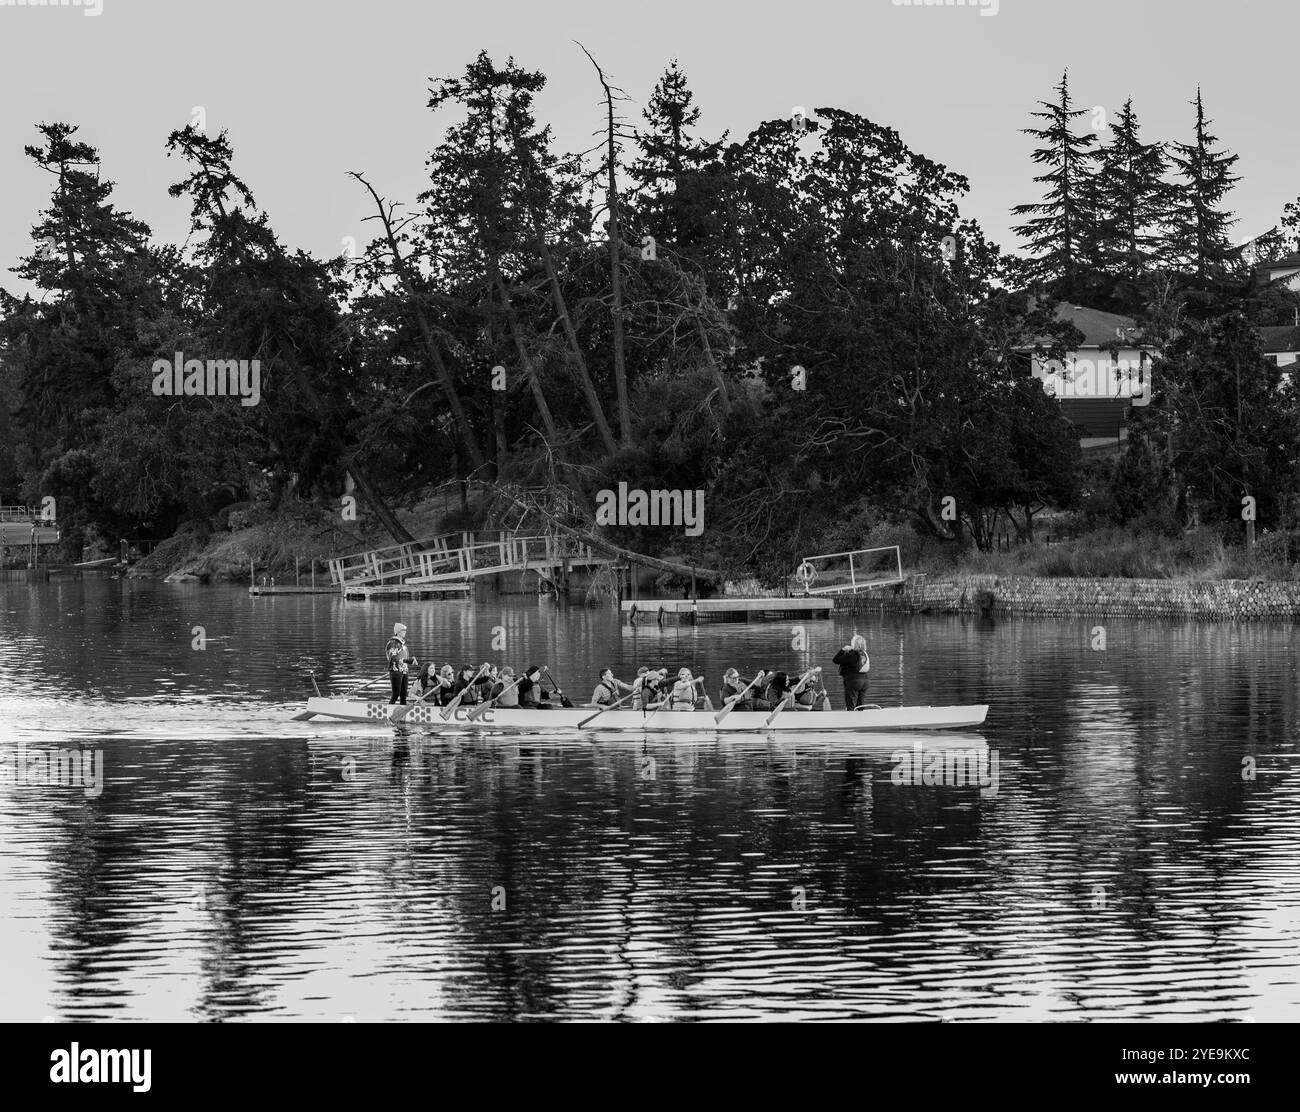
(1136, 859)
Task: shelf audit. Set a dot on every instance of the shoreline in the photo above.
(1245, 600)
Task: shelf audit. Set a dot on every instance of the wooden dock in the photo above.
(326, 589)
(694, 611)
(414, 591)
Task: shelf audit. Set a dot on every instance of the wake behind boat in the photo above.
(647, 721)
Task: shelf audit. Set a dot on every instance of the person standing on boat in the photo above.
(607, 690)
(854, 665)
(400, 663)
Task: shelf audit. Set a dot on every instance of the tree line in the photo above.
(801, 323)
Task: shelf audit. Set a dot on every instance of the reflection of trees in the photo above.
(176, 843)
(628, 895)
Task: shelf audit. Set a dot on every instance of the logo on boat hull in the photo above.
(427, 714)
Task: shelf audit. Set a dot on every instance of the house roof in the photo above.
(1287, 262)
(1279, 338)
(1098, 328)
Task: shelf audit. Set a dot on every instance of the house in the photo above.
(1281, 344)
(1285, 270)
(1103, 376)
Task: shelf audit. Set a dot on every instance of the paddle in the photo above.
(789, 698)
(450, 708)
(658, 706)
(348, 694)
(607, 706)
(555, 686)
(482, 707)
(731, 703)
(397, 713)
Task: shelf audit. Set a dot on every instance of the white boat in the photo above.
(664, 721)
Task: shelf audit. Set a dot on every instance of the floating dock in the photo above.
(294, 590)
(694, 611)
(415, 591)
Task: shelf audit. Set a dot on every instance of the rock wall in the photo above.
(1212, 600)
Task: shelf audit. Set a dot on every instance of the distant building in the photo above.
(1285, 271)
(1100, 379)
(1281, 344)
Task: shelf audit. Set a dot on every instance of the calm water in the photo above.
(1136, 856)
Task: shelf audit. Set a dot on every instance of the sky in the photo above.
(309, 91)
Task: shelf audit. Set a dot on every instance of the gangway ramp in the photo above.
(863, 569)
(459, 557)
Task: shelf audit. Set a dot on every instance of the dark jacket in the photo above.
(849, 660)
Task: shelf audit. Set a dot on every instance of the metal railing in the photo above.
(453, 556)
(860, 570)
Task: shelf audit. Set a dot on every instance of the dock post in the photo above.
(295, 570)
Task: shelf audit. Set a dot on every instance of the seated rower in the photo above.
(532, 696)
(425, 680)
(683, 695)
(811, 694)
(608, 689)
(473, 684)
(504, 691)
(442, 684)
(735, 688)
(776, 687)
(648, 687)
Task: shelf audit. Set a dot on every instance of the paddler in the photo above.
(683, 695)
(733, 686)
(652, 686)
(500, 694)
(531, 693)
(471, 683)
(400, 663)
(854, 665)
(444, 687)
(811, 693)
(608, 688)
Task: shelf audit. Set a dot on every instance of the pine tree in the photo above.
(670, 175)
(1057, 225)
(1197, 243)
(1133, 199)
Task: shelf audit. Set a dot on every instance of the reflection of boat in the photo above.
(635, 721)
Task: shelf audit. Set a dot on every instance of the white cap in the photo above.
(398, 629)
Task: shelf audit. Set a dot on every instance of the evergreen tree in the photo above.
(1133, 199)
(674, 188)
(1198, 244)
(1057, 225)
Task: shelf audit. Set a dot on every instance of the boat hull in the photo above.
(635, 721)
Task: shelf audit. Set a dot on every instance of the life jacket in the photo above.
(682, 697)
(397, 654)
(613, 693)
